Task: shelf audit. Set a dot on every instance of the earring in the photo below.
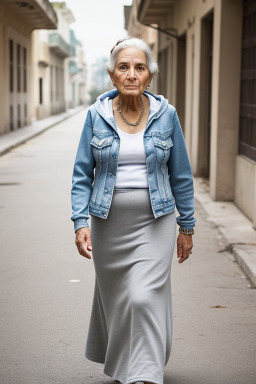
(149, 86)
(114, 85)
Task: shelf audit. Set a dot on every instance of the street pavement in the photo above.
(47, 287)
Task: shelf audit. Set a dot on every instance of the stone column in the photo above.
(227, 41)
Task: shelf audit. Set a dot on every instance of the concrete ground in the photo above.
(236, 229)
(46, 286)
(12, 139)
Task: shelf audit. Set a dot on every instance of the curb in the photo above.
(235, 228)
(245, 255)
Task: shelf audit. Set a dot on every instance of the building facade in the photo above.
(207, 71)
(17, 21)
(51, 50)
(77, 74)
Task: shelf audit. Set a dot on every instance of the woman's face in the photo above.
(131, 75)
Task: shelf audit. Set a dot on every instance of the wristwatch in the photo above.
(187, 231)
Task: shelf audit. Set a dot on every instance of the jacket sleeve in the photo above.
(181, 177)
(83, 176)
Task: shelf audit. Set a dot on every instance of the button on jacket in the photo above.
(169, 171)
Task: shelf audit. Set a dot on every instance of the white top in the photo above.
(131, 170)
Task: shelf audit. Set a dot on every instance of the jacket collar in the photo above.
(112, 94)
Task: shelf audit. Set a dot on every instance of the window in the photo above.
(24, 70)
(247, 126)
(19, 117)
(40, 90)
(62, 85)
(11, 65)
(11, 118)
(56, 84)
(25, 114)
(18, 68)
(51, 80)
(163, 72)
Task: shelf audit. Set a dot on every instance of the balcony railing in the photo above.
(59, 46)
(73, 68)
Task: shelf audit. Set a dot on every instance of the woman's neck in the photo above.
(130, 103)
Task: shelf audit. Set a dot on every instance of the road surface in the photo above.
(47, 287)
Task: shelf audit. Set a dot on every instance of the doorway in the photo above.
(204, 137)
(181, 80)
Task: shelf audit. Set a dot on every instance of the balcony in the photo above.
(35, 14)
(73, 68)
(59, 46)
(153, 11)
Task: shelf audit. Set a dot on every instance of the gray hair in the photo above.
(133, 42)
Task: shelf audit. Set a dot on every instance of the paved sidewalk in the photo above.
(236, 229)
(13, 139)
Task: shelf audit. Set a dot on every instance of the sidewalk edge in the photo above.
(39, 132)
(244, 253)
(245, 262)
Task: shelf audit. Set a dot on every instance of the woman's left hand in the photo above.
(184, 246)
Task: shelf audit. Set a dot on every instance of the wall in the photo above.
(19, 100)
(3, 90)
(12, 28)
(230, 176)
(186, 17)
(245, 187)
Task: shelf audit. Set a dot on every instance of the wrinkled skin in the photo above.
(83, 242)
(184, 246)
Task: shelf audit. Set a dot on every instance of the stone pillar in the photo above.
(225, 97)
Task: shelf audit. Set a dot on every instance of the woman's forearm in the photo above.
(181, 177)
(82, 179)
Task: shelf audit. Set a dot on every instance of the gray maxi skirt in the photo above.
(130, 328)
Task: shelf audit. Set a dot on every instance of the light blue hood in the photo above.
(157, 105)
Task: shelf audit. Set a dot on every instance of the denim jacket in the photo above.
(169, 171)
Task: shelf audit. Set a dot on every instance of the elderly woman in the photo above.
(130, 171)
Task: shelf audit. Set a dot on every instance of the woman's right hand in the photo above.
(83, 242)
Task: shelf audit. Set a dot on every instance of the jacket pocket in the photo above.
(162, 146)
(101, 148)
